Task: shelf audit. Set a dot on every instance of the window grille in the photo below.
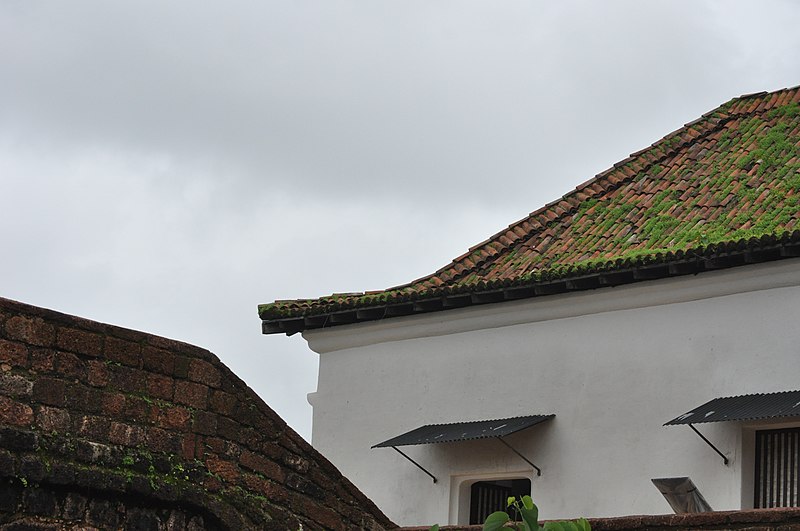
(777, 458)
(487, 497)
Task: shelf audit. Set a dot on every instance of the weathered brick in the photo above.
(213, 444)
(92, 452)
(93, 427)
(78, 398)
(98, 374)
(327, 518)
(113, 404)
(125, 434)
(176, 521)
(33, 330)
(39, 501)
(256, 483)
(80, 341)
(52, 419)
(191, 394)
(175, 417)
(17, 440)
(181, 367)
(297, 462)
(276, 492)
(32, 468)
(262, 465)
(104, 514)
(142, 520)
(70, 365)
(228, 428)
(50, 391)
(232, 450)
(204, 372)
(300, 483)
(188, 447)
(212, 484)
(222, 402)
(127, 379)
(10, 490)
(160, 386)
(158, 360)
(758, 517)
(125, 352)
(228, 471)
(15, 413)
(204, 423)
(15, 385)
(74, 506)
(139, 410)
(43, 360)
(13, 354)
(164, 441)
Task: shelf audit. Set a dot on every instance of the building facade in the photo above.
(670, 280)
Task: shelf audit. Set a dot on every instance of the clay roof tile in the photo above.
(703, 178)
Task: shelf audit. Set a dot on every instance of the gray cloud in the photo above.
(169, 165)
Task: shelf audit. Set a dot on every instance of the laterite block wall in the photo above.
(107, 428)
(787, 519)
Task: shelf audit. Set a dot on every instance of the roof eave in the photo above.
(763, 250)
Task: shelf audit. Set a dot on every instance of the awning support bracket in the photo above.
(724, 459)
(415, 463)
(538, 470)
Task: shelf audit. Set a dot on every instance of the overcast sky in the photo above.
(167, 166)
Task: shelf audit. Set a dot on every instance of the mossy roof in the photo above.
(730, 179)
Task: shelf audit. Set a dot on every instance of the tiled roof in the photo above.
(721, 191)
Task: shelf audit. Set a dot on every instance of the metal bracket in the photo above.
(538, 470)
(415, 463)
(724, 459)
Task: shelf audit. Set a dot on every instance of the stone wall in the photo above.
(749, 520)
(103, 427)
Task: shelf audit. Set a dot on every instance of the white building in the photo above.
(663, 283)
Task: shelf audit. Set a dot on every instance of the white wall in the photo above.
(613, 364)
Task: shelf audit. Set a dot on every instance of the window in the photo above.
(776, 476)
(487, 497)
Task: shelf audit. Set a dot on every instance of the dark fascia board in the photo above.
(600, 279)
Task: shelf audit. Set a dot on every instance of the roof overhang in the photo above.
(671, 264)
(743, 408)
(740, 408)
(464, 431)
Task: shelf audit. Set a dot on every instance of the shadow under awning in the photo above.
(464, 431)
(739, 408)
(743, 407)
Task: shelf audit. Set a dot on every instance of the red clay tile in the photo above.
(710, 165)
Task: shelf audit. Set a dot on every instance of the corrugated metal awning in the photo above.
(464, 431)
(744, 407)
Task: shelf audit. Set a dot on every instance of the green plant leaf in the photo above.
(583, 524)
(510, 501)
(527, 502)
(553, 526)
(434, 527)
(495, 521)
(530, 513)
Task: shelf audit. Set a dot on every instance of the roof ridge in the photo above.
(602, 177)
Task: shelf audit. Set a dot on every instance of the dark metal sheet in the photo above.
(744, 407)
(682, 495)
(464, 431)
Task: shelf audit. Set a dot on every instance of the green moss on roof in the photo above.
(731, 176)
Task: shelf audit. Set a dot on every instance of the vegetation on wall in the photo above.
(526, 518)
